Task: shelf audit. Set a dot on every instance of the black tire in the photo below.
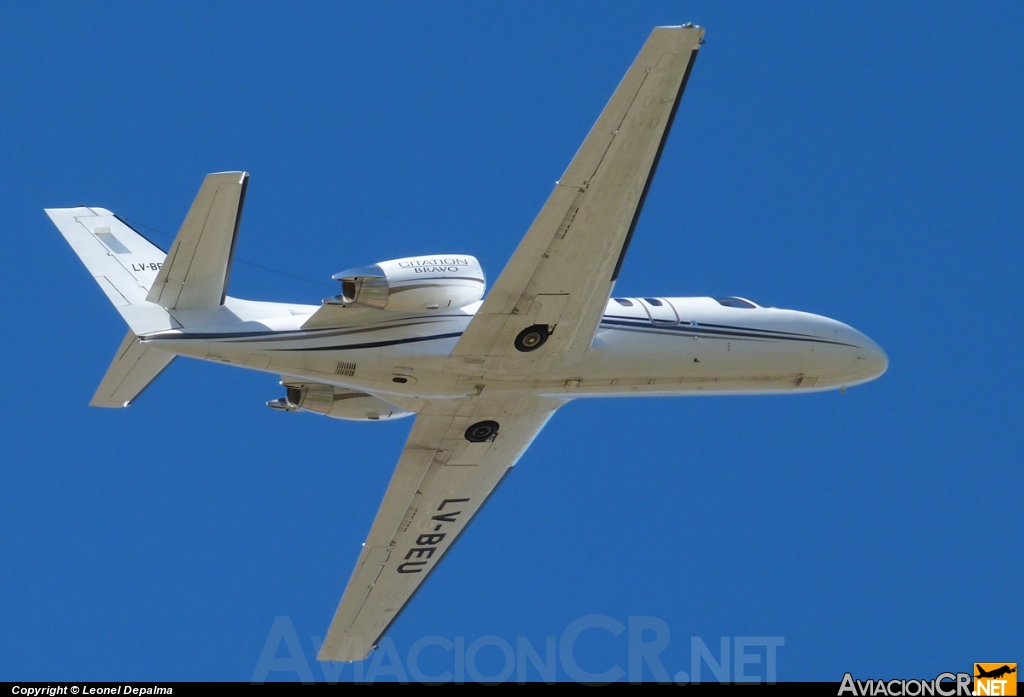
(532, 338)
(482, 431)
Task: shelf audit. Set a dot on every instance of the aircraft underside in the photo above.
(482, 375)
(703, 348)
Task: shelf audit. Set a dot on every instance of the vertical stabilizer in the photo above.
(123, 263)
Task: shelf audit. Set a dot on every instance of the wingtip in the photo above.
(51, 211)
(236, 176)
(338, 656)
(681, 27)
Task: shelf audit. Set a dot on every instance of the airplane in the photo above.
(994, 673)
(482, 375)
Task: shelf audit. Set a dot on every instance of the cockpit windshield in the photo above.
(733, 301)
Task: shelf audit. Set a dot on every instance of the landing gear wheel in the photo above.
(532, 338)
(482, 431)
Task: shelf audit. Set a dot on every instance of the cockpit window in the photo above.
(624, 302)
(653, 301)
(733, 301)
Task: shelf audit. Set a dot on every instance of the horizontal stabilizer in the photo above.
(197, 269)
(135, 366)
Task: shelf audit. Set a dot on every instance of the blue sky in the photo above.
(862, 161)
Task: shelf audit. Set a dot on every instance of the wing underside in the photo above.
(563, 271)
(440, 483)
(560, 276)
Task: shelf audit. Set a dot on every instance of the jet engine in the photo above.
(336, 402)
(412, 284)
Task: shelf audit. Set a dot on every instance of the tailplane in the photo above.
(198, 267)
(134, 367)
(145, 285)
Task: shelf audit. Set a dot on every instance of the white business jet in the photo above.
(482, 375)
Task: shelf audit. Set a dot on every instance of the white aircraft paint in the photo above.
(482, 374)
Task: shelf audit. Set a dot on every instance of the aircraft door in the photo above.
(660, 311)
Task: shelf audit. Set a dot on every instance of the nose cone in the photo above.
(862, 359)
(853, 359)
(871, 359)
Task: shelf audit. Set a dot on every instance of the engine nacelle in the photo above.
(413, 284)
(337, 402)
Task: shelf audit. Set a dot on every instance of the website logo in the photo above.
(943, 685)
(995, 678)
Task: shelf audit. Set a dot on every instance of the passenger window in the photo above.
(624, 302)
(653, 301)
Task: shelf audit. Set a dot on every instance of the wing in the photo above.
(441, 482)
(562, 273)
(198, 267)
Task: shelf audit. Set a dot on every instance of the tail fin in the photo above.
(123, 262)
(134, 367)
(143, 283)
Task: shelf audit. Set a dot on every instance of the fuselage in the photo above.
(644, 346)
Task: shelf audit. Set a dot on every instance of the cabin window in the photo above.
(653, 301)
(732, 301)
(624, 302)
